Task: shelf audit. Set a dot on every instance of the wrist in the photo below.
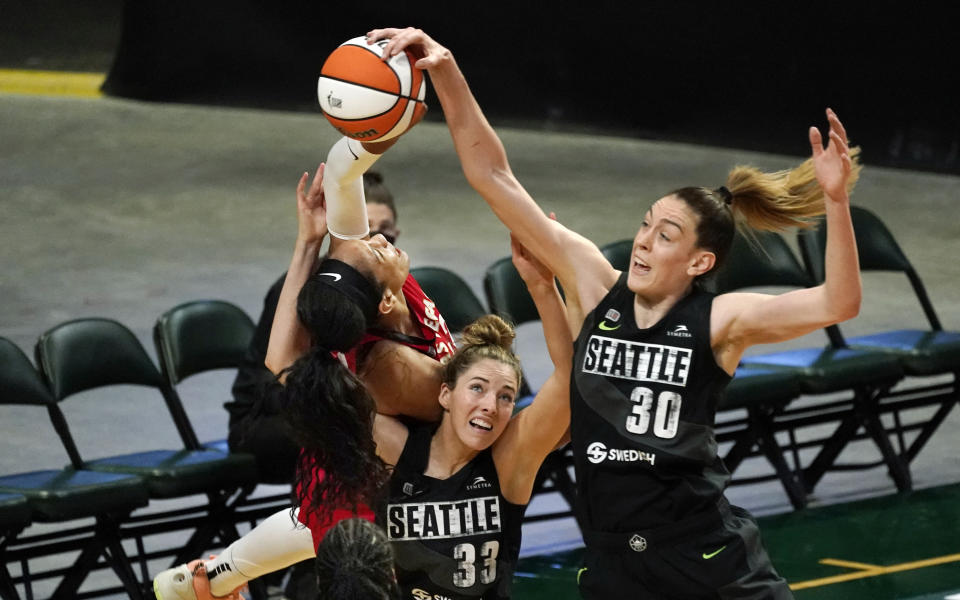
(309, 245)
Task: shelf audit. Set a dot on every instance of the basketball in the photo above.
(366, 98)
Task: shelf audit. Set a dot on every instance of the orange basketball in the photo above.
(366, 98)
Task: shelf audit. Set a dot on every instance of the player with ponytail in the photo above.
(654, 351)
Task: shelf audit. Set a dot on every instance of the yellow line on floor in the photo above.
(910, 566)
(849, 564)
(51, 83)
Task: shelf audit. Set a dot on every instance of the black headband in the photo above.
(352, 284)
(725, 194)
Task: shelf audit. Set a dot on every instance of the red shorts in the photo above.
(318, 528)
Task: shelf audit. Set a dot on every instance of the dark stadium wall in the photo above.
(740, 74)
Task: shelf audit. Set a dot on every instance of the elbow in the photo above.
(486, 177)
(848, 308)
(273, 366)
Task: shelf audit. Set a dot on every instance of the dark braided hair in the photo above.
(328, 410)
(355, 562)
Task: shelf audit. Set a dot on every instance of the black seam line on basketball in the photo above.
(380, 57)
(371, 116)
(370, 87)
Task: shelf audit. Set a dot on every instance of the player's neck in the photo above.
(649, 309)
(447, 454)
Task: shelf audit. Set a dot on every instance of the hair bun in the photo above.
(489, 330)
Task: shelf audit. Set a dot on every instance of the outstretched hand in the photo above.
(425, 49)
(832, 162)
(311, 208)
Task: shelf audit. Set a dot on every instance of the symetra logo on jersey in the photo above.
(479, 483)
(639, 362)
(438, 520)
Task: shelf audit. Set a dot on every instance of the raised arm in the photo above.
(289, 340)
(572, 258)
(742, 320)
(535, 430)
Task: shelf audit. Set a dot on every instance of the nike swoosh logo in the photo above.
(579, 573)
(336, 276)
(603, 325)
(712, 554)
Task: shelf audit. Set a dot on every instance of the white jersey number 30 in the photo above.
(665, 420)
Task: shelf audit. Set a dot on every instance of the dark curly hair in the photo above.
(329, 411)
(355, 562)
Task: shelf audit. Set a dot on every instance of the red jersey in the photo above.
(435, 341)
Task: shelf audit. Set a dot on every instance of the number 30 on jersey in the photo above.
(666, 417)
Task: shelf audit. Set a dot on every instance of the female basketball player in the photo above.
(456, 496)
(397, 362)
(654, 351)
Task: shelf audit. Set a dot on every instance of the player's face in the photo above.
(481, 403)
(381, 220)
(664, 249)
(388, 264)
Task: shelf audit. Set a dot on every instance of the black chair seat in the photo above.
(755, 386)
(14, 511)
(174, 473)
(72, 494)
(922, 352)
(825, 370)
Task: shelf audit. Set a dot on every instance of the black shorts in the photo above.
(717, 556)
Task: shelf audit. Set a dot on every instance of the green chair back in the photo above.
(507, 294)
(452, 295)
(618, 254)
(765, 261)
(19, 381)
(88, 353)
(201, 336)
(877, 249)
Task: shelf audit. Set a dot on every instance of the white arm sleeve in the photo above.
(343, 189)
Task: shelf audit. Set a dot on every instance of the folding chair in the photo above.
(924, 353)
(835, 368)
(93, 353)
(14, 517)
(456, 301)
(200, 336)
(57, 496)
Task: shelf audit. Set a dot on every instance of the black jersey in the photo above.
(453, 538)
(642, 410)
